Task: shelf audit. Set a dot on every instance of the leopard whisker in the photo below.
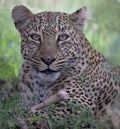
(36, 61)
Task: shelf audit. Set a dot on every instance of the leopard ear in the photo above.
(79, 17)
(21, 16)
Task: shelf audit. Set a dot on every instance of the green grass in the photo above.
(11, 110)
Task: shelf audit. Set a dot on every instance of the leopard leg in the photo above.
(61, 95)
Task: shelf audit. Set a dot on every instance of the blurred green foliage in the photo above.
(11, 111)
(102, 30)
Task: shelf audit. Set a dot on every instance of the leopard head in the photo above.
(50, 40)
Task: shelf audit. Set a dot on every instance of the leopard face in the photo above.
(50, 40)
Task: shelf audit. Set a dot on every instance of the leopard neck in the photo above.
(91, 55)
(88, 58)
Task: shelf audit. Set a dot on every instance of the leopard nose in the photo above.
(48, 60)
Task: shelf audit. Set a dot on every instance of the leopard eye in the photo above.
(63, 37)
(35, 37)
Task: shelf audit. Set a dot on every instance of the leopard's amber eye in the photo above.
(63, 37)
(35, 37)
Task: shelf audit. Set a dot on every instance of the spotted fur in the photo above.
(57, 55)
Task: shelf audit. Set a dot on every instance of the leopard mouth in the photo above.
(48, 71)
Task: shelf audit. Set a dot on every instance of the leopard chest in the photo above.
(33, 86)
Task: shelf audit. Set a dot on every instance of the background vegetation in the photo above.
(102, 29)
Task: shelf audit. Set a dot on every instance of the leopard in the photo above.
(57, 55)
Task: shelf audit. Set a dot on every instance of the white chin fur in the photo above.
(49, 77)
